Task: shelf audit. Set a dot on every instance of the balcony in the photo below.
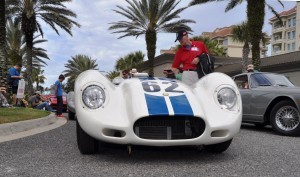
(277, 41)
(276, 30)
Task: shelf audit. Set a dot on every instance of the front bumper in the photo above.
(127, 133)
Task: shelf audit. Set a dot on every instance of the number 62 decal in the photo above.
(152, 86)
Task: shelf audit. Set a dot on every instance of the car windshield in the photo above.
(268, 79)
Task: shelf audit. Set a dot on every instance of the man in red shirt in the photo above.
(187, 55)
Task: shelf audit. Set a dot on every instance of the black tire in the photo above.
(71, 115)
(285, 126)
(218, 148)
(86, 143)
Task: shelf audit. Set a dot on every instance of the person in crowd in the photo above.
(59, 95)
(169, 73)
(3, 100)
(187, 56)
(14, 75)
(126, 74)
(37, 102)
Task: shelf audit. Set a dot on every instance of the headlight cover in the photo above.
(227, 98)
(93, 97)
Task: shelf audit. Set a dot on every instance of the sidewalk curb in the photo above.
(15, 130)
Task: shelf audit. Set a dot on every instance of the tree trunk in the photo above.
(3, 59)
(246, 51)
(28, 28)
(255, 15)
(151, 47)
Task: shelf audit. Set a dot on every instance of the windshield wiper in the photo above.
(282, 85)
(264, 84)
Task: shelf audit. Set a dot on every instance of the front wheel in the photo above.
(218, 148)
(86, 143)
(285, 118)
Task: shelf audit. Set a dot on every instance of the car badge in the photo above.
(165, 94)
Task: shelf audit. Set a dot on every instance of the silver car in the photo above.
(270, 99)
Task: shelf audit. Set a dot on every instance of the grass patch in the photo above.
(8, 115)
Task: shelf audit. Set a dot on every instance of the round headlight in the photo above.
(93, 97)
(227, 97)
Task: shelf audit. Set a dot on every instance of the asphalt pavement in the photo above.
(253, 152)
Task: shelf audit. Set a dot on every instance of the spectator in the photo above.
(126, 74)
(3, 100)
(250, 68)
(187, 55)
(59, 94)
(14, 75)
(169, 74)
(37, 102)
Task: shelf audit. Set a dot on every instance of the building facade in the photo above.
(285, 36)
(233, 48)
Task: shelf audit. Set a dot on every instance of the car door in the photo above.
(260, 90)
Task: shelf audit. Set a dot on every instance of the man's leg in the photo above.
(189, 77)
(59, 105)
(48, 107)
(41, 106)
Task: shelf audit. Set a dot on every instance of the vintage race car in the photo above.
(156, 111)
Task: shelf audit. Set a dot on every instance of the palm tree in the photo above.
(16, 47)
(38, 76)
(77, 65)
(255, 18)
(53, 13)
(212, 46)
(149, 17)
(112, 74)
(240, 33)
(130, 61)
(3, 65)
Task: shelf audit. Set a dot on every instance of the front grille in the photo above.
(169, 128)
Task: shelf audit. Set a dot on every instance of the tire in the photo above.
(86, 143)
(71, 115)
(218, 148)
(285, 118)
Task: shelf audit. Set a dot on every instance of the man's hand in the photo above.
(21, 77)
(175, 70)
(195, 61)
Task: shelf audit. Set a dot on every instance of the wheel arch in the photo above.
(273, 103)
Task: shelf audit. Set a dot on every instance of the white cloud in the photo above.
(94, 38)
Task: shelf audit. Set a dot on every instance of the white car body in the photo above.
(150, 98)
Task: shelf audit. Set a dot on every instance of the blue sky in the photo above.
(95, 40)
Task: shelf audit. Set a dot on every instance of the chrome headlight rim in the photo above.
(234, 105)
(102, 97)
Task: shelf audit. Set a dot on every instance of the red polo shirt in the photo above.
(185, 56)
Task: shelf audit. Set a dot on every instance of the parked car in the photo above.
(156, 111)
(270, 99)
(50, 96)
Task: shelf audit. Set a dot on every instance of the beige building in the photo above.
(286, 36)
(233, 49)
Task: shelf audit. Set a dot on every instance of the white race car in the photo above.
(156, 111)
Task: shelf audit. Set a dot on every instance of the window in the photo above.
(294, 21)
(289, 35)
(289, 47)
(293, 35)
(293, 46)
(225, 42)
(289, 22)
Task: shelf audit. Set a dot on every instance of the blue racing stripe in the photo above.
(181, 105)
(156, 105)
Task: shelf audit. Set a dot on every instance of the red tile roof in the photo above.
(285, 13)
(219, 32)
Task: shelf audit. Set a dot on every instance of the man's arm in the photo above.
(176, 62)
